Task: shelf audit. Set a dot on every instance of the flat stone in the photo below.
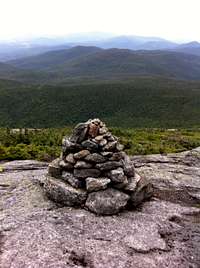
(73, 181)
(70, 159)
(79, 133)
(116, 156)
(63, 193)
(90, 145)
(117, 175)
(119, 147)
(99, 138)
(103, 142)
(103, 130)
(131, 185)
(68, 146)
(54, 169)
(110, 146)
(82, 164)
(121, 185)
(84, 173)
(95, 158)
(96, 184)
(107, 202)
(109, 165)
(143, 191)
(81, 154)
(65, 165)
(145, 239)
(128, 167)
(107, 154)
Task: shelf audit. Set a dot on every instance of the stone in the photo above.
(68, 146)
(106, 202)
(99, 138)
(81, 154)
(82, 164)
(84, 173)
(103, 130)
(108, 165)
(65, 165)
(90, 145)
(128, 166)
(119, 147)
(93, 130)
(143, 191)
(117, 175)
(70, 159)
(110, 146)
(54, 169)
(63, 193)
(79, 133)
(103, 142)
(131, 185)
(121, 185)
(107, 154)
(116, 156)
(96, 184)
(95, 158)
(69, 177)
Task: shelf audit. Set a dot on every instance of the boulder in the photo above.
(107, 202)
(96, 184)
(63, 193)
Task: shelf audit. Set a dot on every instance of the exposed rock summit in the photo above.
(93, 172)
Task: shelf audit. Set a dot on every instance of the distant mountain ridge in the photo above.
(100, 63)
(36, 46)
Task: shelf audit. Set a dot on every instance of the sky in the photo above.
(177, 20)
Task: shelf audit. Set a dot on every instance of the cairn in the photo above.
(95, 173)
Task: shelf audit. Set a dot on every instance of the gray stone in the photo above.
(84, 173)
(107, 202)
(143, 191)
(63, 193)
(90, 145)
(107, 154)
(119, 147)
(108, 165)
(70, 159)
(131, 185)
(95, 158)
(96, 184)
(128, 166)
(110, 146)
(98, 138)
(81, 154)
(146, 238)
(68, 146)
(117, 175)
(73, 181)
(79, 133)
(117, 156)
(54, 169)
(103, 130)
(82, 164)
(65, 165)
(121, 185)
(103, 142)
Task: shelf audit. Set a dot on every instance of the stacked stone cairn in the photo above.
(93, 172)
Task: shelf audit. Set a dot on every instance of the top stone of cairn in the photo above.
(93, 172)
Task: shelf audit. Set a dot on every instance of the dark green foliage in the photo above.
(140, 102)
(45, 144)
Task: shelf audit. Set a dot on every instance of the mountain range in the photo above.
(18, 49)
(97, 63)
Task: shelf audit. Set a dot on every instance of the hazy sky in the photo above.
(171, 19)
